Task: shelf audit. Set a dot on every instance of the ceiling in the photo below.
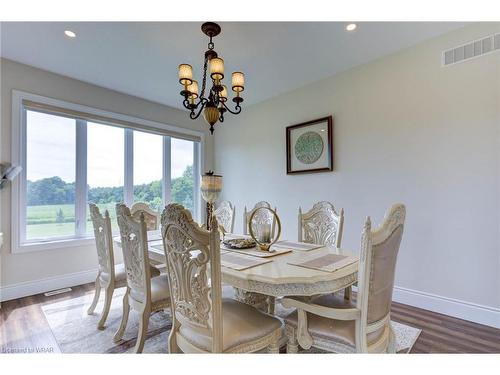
(141, 59)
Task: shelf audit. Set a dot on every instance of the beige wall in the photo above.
(406, 130)
(45, 267)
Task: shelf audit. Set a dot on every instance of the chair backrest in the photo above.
(321, 225)
(103, 240)
(151, 217)
(225, 216)
(190, 251)
(133, 235)
(261, 217)
(379, 251)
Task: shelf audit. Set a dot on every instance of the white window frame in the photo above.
(18, 192)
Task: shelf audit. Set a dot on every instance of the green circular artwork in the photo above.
(309, 147)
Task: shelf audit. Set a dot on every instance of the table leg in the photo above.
(257, 300)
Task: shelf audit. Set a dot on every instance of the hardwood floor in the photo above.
(23, 327)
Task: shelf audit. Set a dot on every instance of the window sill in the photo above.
(53, 245)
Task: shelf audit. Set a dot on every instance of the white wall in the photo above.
(29, 273)
(405, 130)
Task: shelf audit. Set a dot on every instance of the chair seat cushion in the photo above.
(342, 331)
(241, 324)
(121, 274)
(159, 288)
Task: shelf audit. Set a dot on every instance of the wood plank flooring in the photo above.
(23, 327)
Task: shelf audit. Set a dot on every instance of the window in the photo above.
(148, 169)
(105, 169)
(50, 195)
(70, 159)
(182, 182)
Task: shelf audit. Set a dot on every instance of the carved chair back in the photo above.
(379, 250)
(190, 252)
(225, 216)
(151, 217)
(261, 217)
(133, 235)
(321, 225)
(103, 240)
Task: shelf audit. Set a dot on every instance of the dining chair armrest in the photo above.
(327, 312)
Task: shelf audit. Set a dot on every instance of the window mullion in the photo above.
(81, 178)
(128, 188)
(167, 170)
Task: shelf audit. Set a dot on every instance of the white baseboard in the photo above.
(30, 288)
(473, 312)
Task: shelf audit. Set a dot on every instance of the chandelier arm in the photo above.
(186, 103)
(194, 115)
(236, 111)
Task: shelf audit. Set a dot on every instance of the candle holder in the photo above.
(264, 239)
(211, 186)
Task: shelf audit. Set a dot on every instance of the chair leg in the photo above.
(292, 346)
(97, 293)
(123, 324)
(108, 292)
(172, 339)
(143, 330)
(271, 303)
(391, 346)
(274, 348)
(348, 293)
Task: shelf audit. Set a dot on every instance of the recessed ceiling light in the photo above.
(70, 34)
(351, 27)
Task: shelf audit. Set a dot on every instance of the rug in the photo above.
(76, 332)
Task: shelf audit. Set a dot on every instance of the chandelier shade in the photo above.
(223, 93)
(212, 98)
(238, 81)
(193, 89)
(217, 68)
(185, 74)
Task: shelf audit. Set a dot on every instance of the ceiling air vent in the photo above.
(472, 49)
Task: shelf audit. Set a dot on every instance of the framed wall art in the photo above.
(309, 146)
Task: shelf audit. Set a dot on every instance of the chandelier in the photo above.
(213, 105)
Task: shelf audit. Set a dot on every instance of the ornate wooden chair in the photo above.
(261, 217)
(203, 321)
(261, 301)
(151, 216)
(225, 216)
(109, 276)
(334, 324)
(322, 225)
(145, 294)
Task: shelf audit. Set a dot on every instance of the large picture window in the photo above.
(69, 160)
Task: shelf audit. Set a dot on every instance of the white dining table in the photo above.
(277, 278)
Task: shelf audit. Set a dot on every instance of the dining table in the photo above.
(282, 274)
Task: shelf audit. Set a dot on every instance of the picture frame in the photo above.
(309, 146)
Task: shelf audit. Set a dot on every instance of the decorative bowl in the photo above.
(239, 243)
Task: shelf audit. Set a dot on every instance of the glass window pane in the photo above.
(50, 172)
(148, 169)
(182, 172)
(105, 169)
